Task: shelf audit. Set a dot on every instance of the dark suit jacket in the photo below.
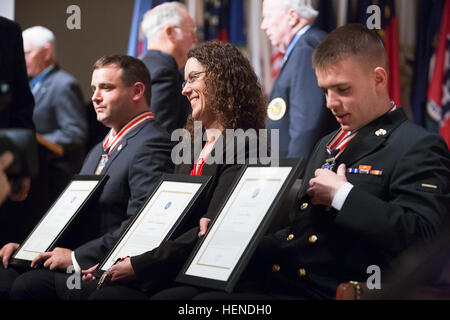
(170, 107)
(60, 114)
(13, 71)
(60, 117)
(306, 119)
(134, 168)
(382, 215)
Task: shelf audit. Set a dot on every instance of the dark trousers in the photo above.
(196, 293)
(44, 284)
(7, 277)
(89, 291)
(41, 284)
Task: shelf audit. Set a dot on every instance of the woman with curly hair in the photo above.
(229, 88)
(224, 94)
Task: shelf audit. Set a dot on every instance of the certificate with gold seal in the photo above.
(244, 218)
(158, 219)
(58, 218)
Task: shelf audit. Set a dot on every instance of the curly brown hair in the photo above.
(233, 93)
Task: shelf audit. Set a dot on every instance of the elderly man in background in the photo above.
(170, 33)
(297, 105)
(59, 114)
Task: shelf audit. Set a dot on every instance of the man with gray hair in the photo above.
(59, 114)
(297, 105)
(170, 33)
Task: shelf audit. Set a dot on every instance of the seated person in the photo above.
(371, 190)
(134, 155)
(225, 94)
(59, 113)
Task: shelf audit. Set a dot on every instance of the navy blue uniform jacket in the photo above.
(382, 216)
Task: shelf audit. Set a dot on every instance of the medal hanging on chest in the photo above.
(330, 163)
(110, 141)
(102, 164)
(336, 146)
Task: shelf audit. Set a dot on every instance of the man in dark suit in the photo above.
(59, 113)
(371, 190)
(170, 33)
(134, 155)
(296, 104)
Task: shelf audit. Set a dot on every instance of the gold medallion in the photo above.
(276, 109)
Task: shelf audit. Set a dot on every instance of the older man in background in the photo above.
(59, 114)
(297, 105)
(170, 33)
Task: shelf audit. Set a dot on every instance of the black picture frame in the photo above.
(203, 181)
(100, 179)
(228, 285)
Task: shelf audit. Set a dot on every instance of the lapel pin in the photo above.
(120, 148)
(380, 132)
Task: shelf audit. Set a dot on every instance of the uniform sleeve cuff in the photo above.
(76, 266)
(341, 196)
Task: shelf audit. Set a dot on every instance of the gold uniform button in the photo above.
(276, 268)
(290, 237)
(301, 272)
(312, 239)
(304, 206)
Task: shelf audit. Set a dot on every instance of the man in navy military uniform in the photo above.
(371, 190)
(297, 105)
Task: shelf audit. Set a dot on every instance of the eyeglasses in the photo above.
(191, 78)
(31, 52)
(193, 30)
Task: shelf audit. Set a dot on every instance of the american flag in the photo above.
(445, 123)
(439, 89)
(275, 62)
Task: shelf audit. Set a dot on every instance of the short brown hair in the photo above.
(133, 70)
(233, 92)
(352, 40)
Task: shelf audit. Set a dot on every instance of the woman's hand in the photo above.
(122, 272)
(203, 226)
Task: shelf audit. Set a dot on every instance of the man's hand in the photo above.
(59, 258)
(203, 226)
(122, 272)
(7, 251)
(22, 193)
(89, 273)
(6, 159)
(325, 184)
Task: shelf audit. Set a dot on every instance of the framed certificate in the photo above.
(158, 219)
(220, 257)
(58, 218)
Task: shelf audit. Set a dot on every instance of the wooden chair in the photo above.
(359, 291)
